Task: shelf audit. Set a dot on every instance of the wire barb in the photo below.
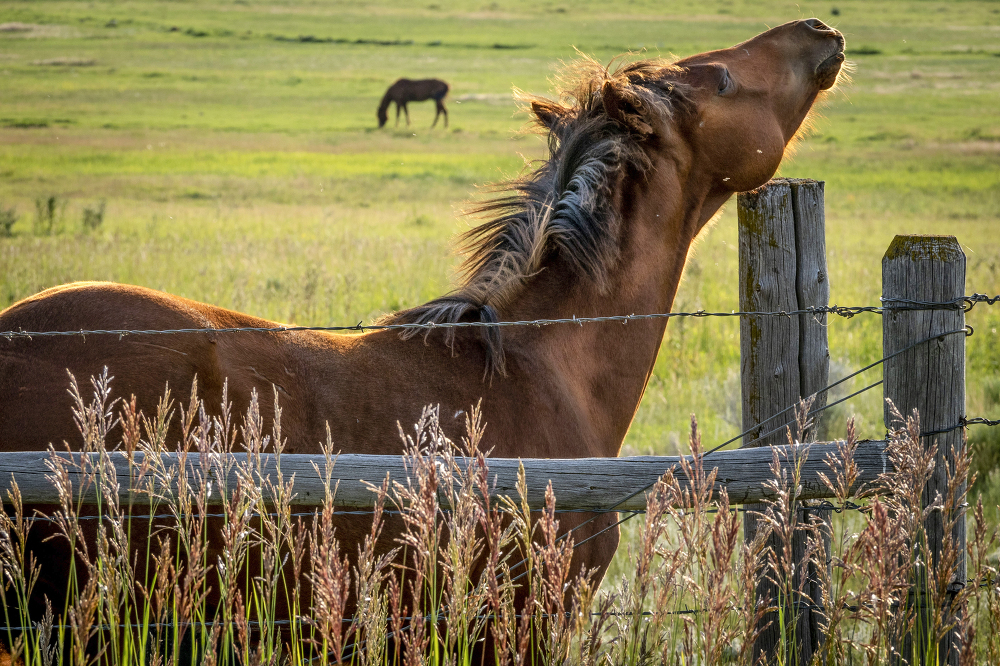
(970, 301)
(962, 423)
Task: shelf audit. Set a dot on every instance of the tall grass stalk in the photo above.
(444, 573)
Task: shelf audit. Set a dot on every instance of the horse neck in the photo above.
(386, 101)
(610, 363)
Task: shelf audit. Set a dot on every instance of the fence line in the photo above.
(617, 507)
(965, 302)
(623, 504)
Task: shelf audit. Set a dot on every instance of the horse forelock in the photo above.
(564, 206)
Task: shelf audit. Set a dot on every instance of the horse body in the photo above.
(408, 90)
(351, 382)
(639, 165)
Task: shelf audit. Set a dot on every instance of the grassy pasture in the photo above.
(235, 146)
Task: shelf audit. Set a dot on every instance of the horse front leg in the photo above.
(407, 112)
(398, 106)
(439, 110)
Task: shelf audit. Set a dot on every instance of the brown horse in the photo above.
(640, 161)
(408, 90)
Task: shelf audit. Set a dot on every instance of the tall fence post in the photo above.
(929, 378)
(782, 251)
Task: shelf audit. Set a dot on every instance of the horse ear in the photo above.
(549, 114)
(621, 109)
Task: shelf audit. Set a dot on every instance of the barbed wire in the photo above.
(962, 423)
(965, 303)
(970, 301)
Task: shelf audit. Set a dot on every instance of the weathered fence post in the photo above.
(782, 250)
(929, 378)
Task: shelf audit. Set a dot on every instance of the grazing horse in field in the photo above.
(407, 90)
(640, 161)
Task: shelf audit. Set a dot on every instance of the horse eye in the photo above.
(726, 84)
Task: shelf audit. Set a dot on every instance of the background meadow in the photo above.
(227, 151)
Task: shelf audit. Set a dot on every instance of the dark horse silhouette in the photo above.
(408, 90)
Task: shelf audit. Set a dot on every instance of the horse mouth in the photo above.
(826, 72)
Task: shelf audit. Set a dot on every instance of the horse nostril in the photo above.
(818, 25)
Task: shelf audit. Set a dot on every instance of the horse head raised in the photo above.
(724, 116)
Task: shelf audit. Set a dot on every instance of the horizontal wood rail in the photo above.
(578, 483)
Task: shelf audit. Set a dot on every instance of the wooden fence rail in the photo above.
(579, 484)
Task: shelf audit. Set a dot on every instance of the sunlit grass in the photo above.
(243, 169)
(238, 575)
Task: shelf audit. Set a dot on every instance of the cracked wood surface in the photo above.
(579, 483)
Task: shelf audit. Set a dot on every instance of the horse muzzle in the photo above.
(833, 59)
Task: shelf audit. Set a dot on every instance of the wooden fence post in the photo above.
(929, 378)
(782, 252)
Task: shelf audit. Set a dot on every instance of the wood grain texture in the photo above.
(769, 350)
(812, 287)
(782, 239)
(579, 483)
(929, 378)
(769, 346)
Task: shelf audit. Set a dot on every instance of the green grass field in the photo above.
(235, 146)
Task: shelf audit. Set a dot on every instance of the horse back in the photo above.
(34, 372)
(359, 385)
(418, 90)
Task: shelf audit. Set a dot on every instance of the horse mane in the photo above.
(563, 206)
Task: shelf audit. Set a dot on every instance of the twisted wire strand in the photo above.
(360, 327)
(963, 302)
(962, 423)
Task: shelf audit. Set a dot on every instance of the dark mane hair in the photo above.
(562, 207)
